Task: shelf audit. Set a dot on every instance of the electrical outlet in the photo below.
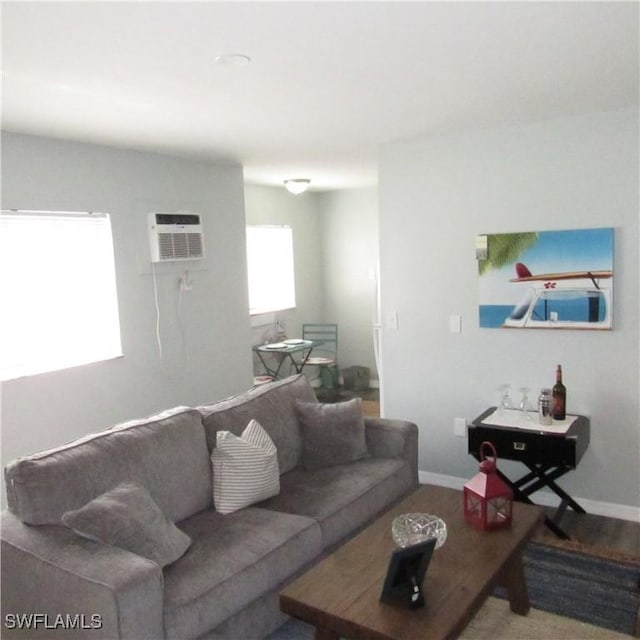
(460, 427)
(391, 320)
(184, 282)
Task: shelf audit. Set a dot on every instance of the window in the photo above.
(270, 269)
(58, 291)
(571, 305)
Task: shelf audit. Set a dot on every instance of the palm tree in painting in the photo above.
(505, 248)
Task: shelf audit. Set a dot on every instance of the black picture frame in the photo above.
(405, 575)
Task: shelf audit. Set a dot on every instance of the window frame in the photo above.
(266, 264)
(60, 281)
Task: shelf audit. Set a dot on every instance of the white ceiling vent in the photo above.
(175, 236)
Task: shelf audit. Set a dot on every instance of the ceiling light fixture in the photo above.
(297, 185)
(232, 60)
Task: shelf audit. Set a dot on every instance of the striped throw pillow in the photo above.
(245, 468)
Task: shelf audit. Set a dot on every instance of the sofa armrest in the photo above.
(388, 438)
(54, 581)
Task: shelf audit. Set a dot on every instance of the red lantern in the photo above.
(488, 500)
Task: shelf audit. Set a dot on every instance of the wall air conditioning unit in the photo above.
(175, 236)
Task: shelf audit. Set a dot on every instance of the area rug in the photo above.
(574, 596)
(594, 589)
(494, 621)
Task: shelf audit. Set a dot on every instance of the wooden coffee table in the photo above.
(340, 596)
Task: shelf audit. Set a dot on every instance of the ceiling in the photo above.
(328, 82)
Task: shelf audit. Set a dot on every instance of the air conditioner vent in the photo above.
(175, 237)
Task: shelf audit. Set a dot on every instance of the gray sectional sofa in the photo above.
(58, 581)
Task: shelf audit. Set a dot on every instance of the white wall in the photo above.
(436, 194)
(209, 361)
(350, 259)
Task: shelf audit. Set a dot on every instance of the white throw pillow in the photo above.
(245, 469)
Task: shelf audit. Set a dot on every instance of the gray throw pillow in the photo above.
(127, 517)
(332, 434)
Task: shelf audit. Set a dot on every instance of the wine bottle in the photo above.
(559, 394)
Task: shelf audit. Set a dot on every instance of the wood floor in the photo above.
(601, 532)
(622, 536)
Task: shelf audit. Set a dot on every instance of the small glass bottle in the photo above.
(544, 407)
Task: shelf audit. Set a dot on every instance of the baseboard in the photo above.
(544, 498)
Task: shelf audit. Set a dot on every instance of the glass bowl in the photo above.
(412, 528)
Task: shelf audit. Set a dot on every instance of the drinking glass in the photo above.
(505, 397)
(524, 403)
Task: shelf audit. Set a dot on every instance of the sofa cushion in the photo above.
(245, 468)
(343, 498)
(127, 517)
(167, 453)
(233, 560)
(332, 434)
(272, 405)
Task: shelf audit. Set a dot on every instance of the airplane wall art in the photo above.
(546, 279)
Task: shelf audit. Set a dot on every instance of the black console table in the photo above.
(547, 456)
